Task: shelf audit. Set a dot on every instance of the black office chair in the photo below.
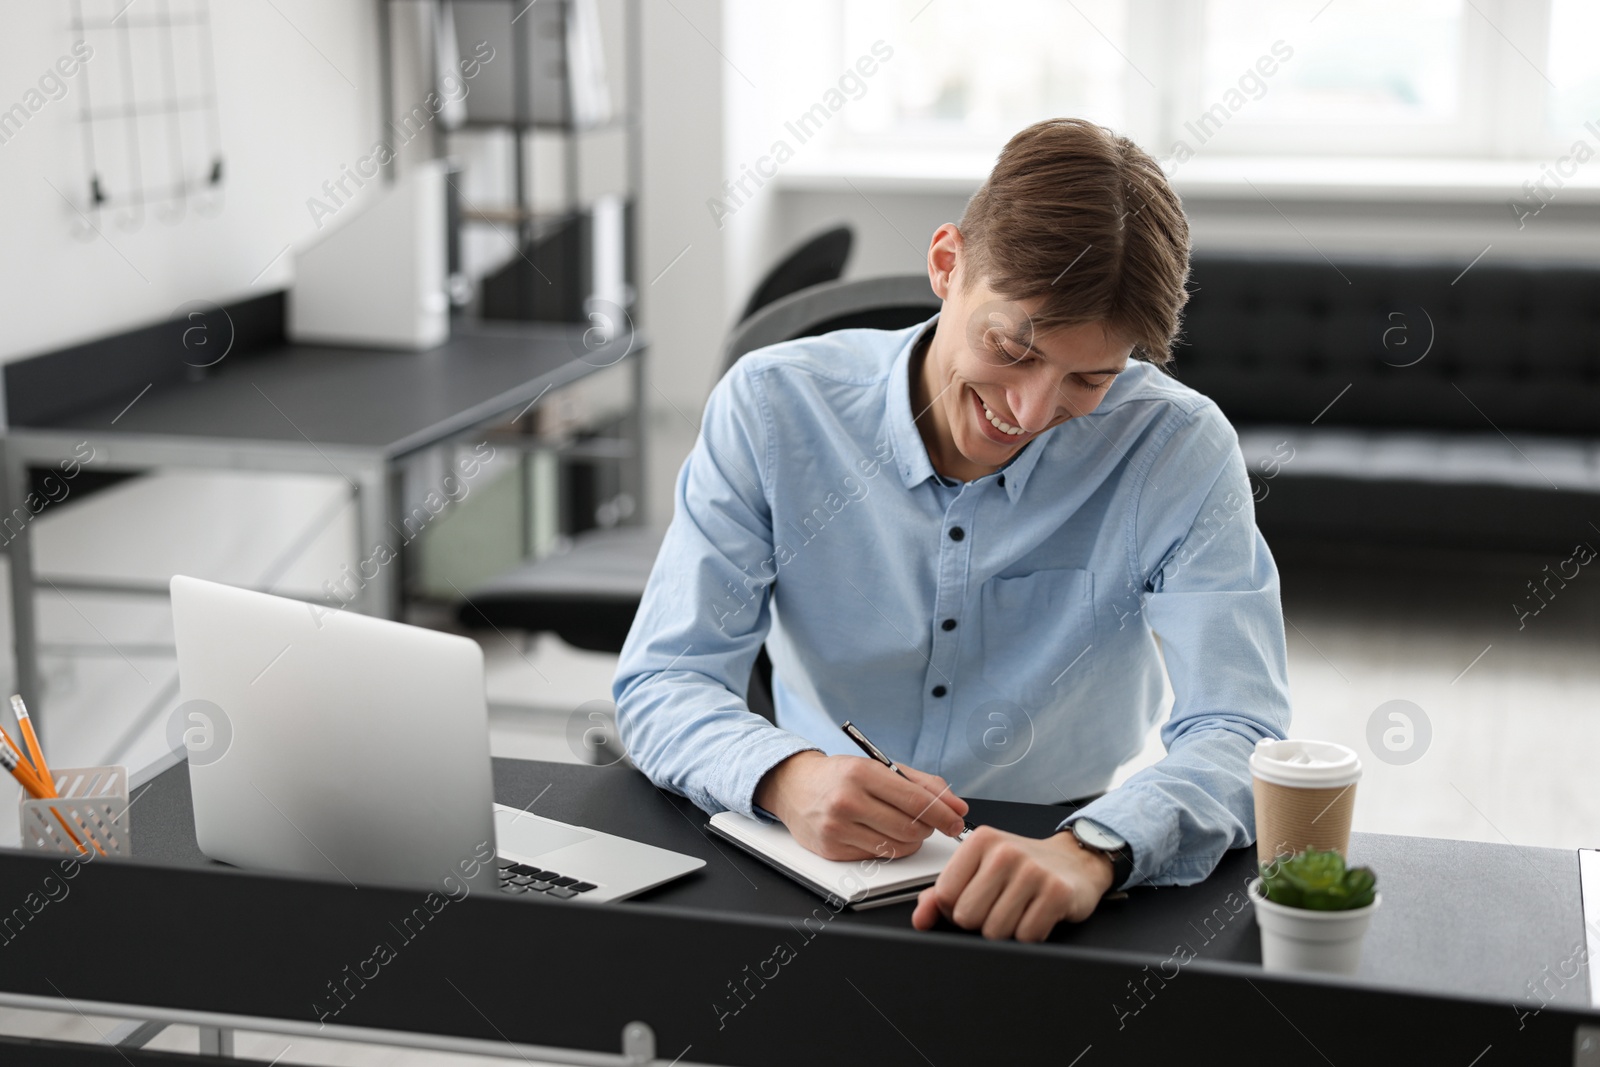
(589, 594)
(816, 262)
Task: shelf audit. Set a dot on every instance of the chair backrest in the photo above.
(892, 302)
(820, 259)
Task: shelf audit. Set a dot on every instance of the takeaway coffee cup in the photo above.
(1305, 795)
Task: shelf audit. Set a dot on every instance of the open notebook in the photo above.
(864, 883)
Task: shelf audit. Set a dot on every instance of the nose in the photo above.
(1035, 403)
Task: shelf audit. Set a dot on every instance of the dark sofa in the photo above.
(1394, 403)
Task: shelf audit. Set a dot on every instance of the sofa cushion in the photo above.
(1524, 461)
(1512, 348)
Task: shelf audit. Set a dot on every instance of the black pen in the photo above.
(866, 745)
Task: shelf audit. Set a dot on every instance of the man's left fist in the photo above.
(1015, 887)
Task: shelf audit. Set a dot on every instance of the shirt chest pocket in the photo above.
(1038, 633)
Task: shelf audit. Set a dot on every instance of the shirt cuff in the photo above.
(737, 789)
(1149, 842)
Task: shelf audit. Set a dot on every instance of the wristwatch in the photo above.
(1096, 838)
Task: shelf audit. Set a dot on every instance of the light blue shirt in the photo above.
(1001, 633)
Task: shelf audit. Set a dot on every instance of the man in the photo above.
(966, 537)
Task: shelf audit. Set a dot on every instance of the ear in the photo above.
(944, 258)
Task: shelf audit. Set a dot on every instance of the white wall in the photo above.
(682, 305)
(297, 89)
(298, 98)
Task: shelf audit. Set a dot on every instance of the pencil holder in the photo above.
(92, 806)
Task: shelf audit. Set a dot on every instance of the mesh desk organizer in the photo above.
(92, 802)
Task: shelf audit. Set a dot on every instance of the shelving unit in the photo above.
(567, 87)
(543, 101)
(549, 171)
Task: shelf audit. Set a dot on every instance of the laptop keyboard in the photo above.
(520, 878)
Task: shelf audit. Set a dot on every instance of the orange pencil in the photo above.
(54, 811)
(36, 779)
(12, 745)
(24, 774)
(31, 739)
(29, 780)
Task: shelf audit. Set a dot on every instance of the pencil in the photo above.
(24, 774)
(75, 841)
(12, 745)
(29, 780)
(31, 739)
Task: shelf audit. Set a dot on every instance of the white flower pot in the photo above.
(1300, 939)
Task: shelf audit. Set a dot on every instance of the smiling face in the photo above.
(988, 384)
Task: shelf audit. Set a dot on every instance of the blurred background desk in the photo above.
(140, 402)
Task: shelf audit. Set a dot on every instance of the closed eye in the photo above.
(1004, 355)
(1101, 384)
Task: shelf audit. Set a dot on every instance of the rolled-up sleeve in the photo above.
(680, 684)
(1211, 594)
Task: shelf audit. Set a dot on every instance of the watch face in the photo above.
(1096, 836)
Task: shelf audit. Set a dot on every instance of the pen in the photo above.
(865, 744)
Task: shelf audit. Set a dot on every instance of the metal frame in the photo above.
(637, 1040)
(368, 469)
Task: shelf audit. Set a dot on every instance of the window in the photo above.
(1336, 85)
(1033, 57)
(1574, 72)
(1484, 79)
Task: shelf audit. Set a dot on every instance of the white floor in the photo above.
(1513, 712)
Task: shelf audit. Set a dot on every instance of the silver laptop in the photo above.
(339, 745)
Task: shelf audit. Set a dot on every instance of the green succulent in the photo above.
(1318, 881)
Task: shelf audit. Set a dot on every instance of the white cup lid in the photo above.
(1313, 764)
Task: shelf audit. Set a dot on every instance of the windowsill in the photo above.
(1219, 178)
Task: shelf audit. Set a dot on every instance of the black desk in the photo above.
(698, 960)
(357, 413)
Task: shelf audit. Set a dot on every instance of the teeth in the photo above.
(1000, 424)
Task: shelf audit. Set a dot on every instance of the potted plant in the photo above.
(1313, 912)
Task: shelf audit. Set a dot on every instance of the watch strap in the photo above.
(1121, 867)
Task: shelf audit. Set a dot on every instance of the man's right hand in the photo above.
(851, 807)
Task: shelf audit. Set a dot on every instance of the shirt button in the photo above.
(949, 624)
(957, 533)
(939, 690)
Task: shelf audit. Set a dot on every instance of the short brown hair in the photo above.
(1084, 221)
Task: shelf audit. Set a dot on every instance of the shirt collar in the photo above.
(911, 455)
